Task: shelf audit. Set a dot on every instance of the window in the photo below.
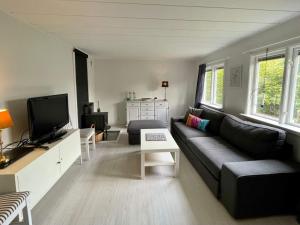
(269, 74)
(214, 85)
(275, 92)
(294, 114)
(219, 85)
(208, 86)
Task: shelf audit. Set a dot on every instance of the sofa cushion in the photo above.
(259, 141)
(213, 152)
(215, 117)
(185, 132)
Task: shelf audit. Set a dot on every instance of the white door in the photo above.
(162, 114)
(133, 113)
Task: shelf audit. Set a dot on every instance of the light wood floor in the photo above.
(107, 191)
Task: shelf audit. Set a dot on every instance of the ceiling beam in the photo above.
(180, 5)
(141, 18)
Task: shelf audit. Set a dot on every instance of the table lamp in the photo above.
(5, 122)
(165, 84)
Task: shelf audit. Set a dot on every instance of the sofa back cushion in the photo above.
(215, 119)
(193, 111)
(258, 141)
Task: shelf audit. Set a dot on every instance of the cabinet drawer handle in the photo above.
(58, 162)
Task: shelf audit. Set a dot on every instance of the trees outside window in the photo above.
(219, 85)
(270, 80)
(275, 92)
(208, 86)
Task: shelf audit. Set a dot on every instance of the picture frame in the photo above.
(236, 76)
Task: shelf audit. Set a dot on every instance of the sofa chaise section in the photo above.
(260, 188)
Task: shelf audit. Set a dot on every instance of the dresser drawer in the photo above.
(147, 104)
(147, 117)
(133, 104)
(146, 108)
(147, 113)
(163, 104)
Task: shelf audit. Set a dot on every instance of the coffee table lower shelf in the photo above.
(159, 159)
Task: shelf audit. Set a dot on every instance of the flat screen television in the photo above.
(46, 116)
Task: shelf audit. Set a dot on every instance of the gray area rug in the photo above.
(112, 136)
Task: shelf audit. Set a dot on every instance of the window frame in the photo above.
(294, 64)
(288, 93)
(213, 94)
(255, 81)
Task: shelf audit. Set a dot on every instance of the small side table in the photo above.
(85, 136)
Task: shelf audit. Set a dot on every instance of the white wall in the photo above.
(114, 78)
(235, 99)
(32, 64)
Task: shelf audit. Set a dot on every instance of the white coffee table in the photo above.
(159, 153)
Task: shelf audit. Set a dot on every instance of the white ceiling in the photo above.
(151, 29)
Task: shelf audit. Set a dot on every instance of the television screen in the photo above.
(47, 115)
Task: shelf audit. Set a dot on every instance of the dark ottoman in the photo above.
(135, 126)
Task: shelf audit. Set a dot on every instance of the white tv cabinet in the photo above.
(39, 170)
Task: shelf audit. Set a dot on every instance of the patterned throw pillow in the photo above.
(193, 111)
(192, 121)
(196, 122)
(203, 124)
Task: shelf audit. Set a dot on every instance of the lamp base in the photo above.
(4, 159)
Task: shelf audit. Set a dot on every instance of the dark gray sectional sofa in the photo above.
(246, 165)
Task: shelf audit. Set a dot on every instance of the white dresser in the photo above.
(148, 110)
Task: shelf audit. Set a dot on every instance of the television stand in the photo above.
(40, 169)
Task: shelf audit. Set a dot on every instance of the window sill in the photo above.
(289, 128)
(216, 107)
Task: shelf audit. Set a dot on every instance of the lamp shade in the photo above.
(165, 83)
(5, 119)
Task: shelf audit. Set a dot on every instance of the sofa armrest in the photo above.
(260, 188)
(177, 119)
(174, 120)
